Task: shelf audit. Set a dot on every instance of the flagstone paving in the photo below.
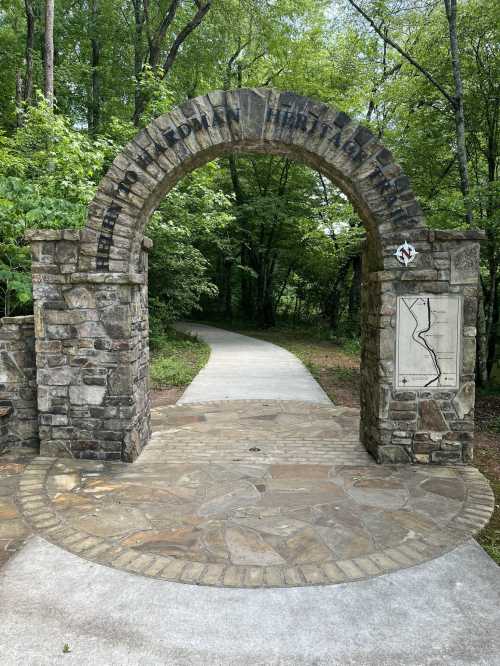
(13, 529)
(244, 493)
(253, 524)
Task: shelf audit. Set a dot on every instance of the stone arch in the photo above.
(246, 120)
(90, 287)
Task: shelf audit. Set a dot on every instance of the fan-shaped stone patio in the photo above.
(245, 502)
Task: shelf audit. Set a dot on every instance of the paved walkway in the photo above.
(244, 368)
(366, 565)
(256, 431)
(442, 613)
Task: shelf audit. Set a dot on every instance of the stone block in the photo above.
(79, 297)
(464, 400)
(444, 457)
(56, 376)
(84, 394)
(431, 417)
(465, 264)
(60, 332)
(392, 455)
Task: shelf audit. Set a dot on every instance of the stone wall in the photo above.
(18, 408)
(92, 341)
(431, 424)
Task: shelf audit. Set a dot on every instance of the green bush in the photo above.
(176, 358)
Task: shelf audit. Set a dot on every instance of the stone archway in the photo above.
(90, 286)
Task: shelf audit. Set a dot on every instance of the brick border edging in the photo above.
(318, 406)
(37, 510)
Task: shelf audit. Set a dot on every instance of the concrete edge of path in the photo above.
(244, 368)
(446, 611)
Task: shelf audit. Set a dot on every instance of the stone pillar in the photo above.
(91, 352)
(401, 420)
(18, 395)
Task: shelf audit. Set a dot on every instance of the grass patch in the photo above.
(176, 359)
(491, 544)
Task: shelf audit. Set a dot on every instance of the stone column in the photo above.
(18, 395)
(433, 423)
(91, 351)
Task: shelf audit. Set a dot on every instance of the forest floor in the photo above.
(336, 367)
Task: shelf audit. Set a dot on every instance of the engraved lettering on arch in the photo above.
(127, 181)
(221, 115)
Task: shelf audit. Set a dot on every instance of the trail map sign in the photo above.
(428, 342)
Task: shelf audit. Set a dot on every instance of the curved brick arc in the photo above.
(258, 120)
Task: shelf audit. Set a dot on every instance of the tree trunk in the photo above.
(247, 284)
(283, 287)
(224, 280)
(492, 317)
(451, 15)
(19, 99)
(138, 55)
(94, 113)
(481, 342)
(156, 43)
(265, 315)
(228, 291)
(49, 53)
(30, 43)
(332, 307)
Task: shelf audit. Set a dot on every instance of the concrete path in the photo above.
(442, 613)
(243, 368)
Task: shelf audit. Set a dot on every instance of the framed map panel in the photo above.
(428, 341)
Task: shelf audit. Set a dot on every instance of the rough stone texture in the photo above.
(91, 353)
(18, 390)
(104, 345)
(13, 530)
(431, 425)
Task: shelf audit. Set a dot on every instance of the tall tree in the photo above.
(49, 53)
(458, 106)
(455, 100)
(94, 107)
(156, 38)
(29, 49)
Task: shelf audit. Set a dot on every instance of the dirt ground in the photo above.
(168, 396)
(487, 460)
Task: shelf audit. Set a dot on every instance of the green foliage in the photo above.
(287, 245)
(49, 176)
(193, 213)
(176, 358)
